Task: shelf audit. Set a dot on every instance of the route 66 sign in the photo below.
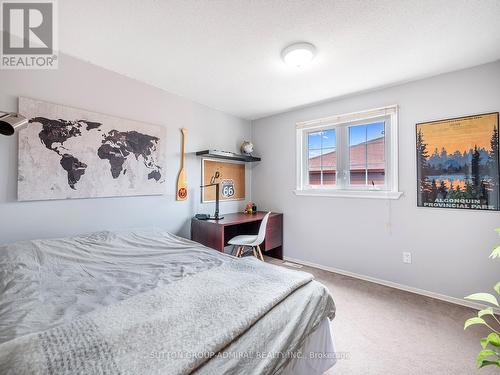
(229, 175)
(227, 188)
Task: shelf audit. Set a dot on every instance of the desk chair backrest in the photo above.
(262, 230)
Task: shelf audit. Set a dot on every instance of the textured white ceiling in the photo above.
(226, 53)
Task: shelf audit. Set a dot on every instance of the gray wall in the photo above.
(86, 86)
(450, 247)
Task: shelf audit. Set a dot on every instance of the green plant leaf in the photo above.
(494, 339)
(484, 342)
(497, 287)
(472, 321)
(495, 253)
(487, 363)
(482, 358)
(483, 297)
(487, 353)
(483, 355)
(486, 311)
(497, 230)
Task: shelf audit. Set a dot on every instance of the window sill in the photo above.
(368, 194)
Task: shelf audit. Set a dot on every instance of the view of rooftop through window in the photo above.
(366, 154)
(322, 157)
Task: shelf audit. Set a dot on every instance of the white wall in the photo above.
(86, 86)
(450, 247)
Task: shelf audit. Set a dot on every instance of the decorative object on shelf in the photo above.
(182, 192)
(246, 148)
(216, 154)
(68, 153)
(230, 176)
(458, 163)
(11, 122)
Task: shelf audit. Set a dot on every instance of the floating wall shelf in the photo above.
(216, 154)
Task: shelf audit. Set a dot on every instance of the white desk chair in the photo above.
(253, 241)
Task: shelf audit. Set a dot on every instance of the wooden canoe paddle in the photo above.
(182, 192)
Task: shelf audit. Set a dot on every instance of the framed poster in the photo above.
(458, 163)
(68, 153)
(230, 175)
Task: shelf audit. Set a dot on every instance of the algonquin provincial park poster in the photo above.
(458, 163)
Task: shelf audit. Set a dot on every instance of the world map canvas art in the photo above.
(67, 153)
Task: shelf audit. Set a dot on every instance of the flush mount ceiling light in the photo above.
(298, 54)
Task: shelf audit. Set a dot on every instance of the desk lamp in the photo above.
(217, 188)
(216, 214)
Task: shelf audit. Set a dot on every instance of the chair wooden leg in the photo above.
(260, 253)
(254, 252)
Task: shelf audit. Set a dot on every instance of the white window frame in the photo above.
(341, 124)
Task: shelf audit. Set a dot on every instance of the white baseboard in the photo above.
(406, 288)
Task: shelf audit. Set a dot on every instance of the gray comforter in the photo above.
(123, 303)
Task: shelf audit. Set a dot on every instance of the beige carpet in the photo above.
(385, 331)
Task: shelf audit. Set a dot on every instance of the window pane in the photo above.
(376, 158)
(314, 167)
(357, 155)
(314, 141)
(322, 163)
(329, 140)
(367, 154)
(329, 166)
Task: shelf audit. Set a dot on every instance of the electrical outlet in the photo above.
(406, 257)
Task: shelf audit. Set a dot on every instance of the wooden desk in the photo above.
(216, 234)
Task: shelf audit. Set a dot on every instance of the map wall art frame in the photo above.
(458, 163)
(68, 153)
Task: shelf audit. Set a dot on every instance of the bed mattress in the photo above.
(46, 284)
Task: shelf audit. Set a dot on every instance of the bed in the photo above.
(149, 302)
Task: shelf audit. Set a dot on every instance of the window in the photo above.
(351, 155)
(366, 154)
(322, 164)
